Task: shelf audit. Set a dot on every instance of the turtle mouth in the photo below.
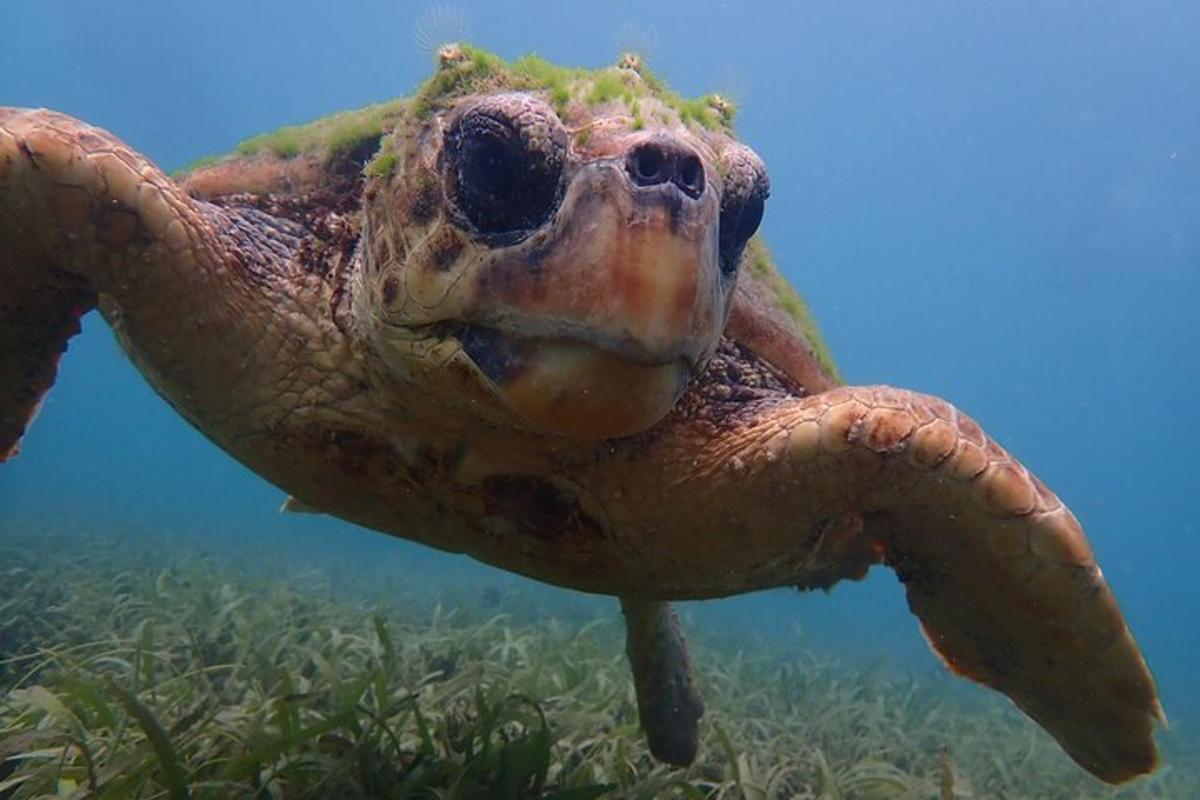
(560, 382)
(503, 355)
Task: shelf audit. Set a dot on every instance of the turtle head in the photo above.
(558, 267)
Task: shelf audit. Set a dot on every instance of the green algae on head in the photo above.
(464, 69)
(327, 138)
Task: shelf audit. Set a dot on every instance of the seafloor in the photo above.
(137, 669)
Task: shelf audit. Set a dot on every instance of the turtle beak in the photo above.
(630, 265)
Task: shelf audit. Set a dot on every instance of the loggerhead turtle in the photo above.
(523, 316)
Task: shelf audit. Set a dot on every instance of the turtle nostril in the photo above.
(689, 176)
(647, 165)
(657, 162)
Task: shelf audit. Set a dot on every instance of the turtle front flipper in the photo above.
(83, 218)
(810, 490)
(1004, 582)
(669, 707)
(997, 569)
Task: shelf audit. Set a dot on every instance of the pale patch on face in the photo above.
(579, 391)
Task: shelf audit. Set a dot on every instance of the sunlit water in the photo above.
(996, 203)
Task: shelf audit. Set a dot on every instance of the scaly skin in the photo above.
(201, 297)
(748, 483)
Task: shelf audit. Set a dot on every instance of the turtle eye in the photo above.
(503, 163)
(744, 193)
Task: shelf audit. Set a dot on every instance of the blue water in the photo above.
(998, 203)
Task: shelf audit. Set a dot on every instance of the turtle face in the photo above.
(573, 281)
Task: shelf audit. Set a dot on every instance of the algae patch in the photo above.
(329, 138)
(463, 69)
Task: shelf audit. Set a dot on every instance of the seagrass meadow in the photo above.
(140, 666)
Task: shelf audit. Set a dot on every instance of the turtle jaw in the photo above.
(571, 387)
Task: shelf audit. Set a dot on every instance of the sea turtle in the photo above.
(524, 316)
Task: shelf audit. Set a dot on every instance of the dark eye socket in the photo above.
(489, 163)
(504, 161)
(743, 197)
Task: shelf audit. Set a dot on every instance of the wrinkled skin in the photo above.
(577, 389)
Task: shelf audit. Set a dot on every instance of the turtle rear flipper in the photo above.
(669, 707)
(83, 217)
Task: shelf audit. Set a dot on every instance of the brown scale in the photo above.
(735, 385)
(426, 201)
(325, 230)
(444, 248)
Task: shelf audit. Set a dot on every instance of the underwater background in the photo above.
(997, 203)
